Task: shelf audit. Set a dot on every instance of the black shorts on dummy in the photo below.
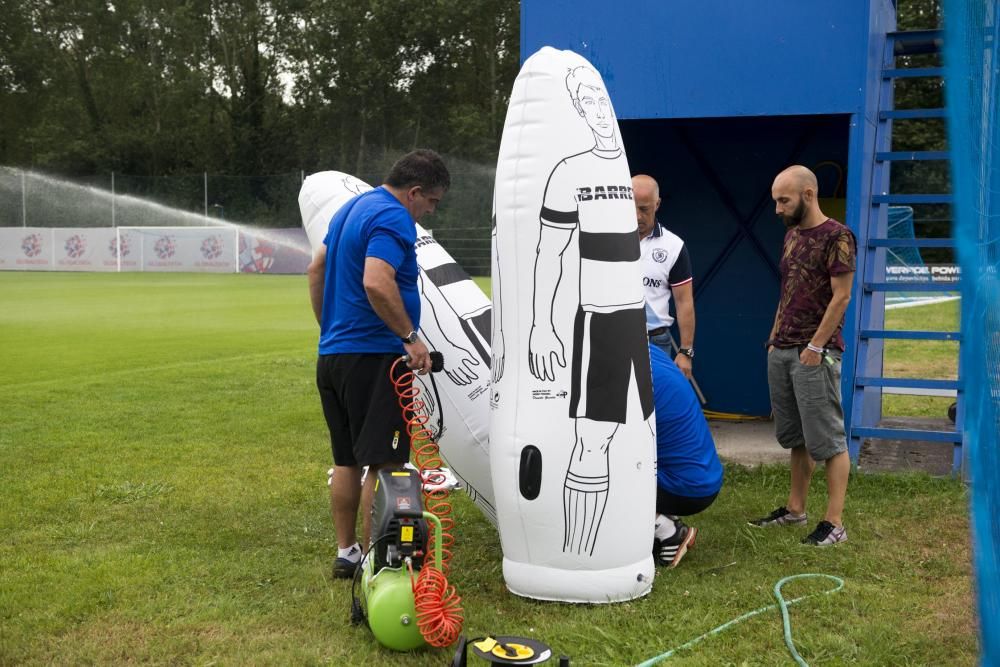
(607, 349)
(362, 409)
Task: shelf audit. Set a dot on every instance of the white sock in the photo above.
(351, 553)
(664, 527)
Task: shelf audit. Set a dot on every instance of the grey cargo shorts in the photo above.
(806, 404)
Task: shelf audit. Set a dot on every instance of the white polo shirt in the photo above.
(665, 265)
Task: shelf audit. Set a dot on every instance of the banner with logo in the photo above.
(929, 273)
(194, 249)
(26, 248)
(274, 251)
(200, 249)
(89, 249)
(126, 240)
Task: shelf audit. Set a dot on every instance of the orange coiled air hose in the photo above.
(439, 614)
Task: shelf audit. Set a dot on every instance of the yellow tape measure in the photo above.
(505, 650)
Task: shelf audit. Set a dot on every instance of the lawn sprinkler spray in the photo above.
(400, 590)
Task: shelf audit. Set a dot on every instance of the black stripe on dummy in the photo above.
(560, 218)
(609, 246)
(446, 274)
(472, 333)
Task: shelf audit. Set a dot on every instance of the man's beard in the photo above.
(795, 217)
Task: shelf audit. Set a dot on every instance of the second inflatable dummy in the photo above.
(455, 321)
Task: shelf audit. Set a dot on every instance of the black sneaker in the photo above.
(669, 552)
(826, 534)
(780, 517)
(343, 568)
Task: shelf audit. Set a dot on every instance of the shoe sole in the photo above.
(685, 545)
(806, 543)
(776, 524)
(342, 572)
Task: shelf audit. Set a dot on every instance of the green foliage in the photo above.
(162, 500)
(250, 88)
(930, 220)
(160, 93)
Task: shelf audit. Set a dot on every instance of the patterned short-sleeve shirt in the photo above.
(809, 259)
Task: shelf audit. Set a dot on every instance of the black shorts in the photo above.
(674, 505)
(607, 349)
(362, 409)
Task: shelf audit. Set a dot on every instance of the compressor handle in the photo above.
(437, 543)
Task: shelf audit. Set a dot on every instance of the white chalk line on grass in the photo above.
(102, 376)
(921, 302)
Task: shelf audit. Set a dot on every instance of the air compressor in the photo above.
(396, 561)
(400, 590)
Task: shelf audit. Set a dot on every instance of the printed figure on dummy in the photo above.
(605, 356)
(571, 374)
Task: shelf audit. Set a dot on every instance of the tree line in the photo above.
(248, 87)
(161, 91)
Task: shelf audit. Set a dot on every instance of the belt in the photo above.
(799, 348)
(657, 331)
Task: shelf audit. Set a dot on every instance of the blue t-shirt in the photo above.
(373, 224)
(686, 461)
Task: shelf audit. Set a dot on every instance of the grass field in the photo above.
(162, 499)
(927, 359)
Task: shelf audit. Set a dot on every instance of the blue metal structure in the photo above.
(871, 332)
(714, 97)
(973, 77)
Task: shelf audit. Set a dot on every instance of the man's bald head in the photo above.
(646, 196)
(796, 197)
(646, 184)
(799, 177)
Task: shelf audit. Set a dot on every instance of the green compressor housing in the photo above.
(400, 527)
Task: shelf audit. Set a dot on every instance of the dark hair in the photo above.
(422, 167)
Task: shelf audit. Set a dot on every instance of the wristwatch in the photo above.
(410, 338)
(686, 351)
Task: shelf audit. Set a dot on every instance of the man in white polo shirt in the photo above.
(666, 272)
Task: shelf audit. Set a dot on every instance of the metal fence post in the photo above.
(24, 201)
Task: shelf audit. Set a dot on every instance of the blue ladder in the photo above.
(871, 334)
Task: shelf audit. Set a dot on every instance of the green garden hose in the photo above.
(782, 605)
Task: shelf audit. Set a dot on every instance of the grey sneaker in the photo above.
(669, 552)
(780, 517)
(825, 535)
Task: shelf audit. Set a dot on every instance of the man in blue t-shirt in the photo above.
(688, 470)
(364, 293)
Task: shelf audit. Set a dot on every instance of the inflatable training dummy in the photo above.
(572, 447)
(454, 320)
